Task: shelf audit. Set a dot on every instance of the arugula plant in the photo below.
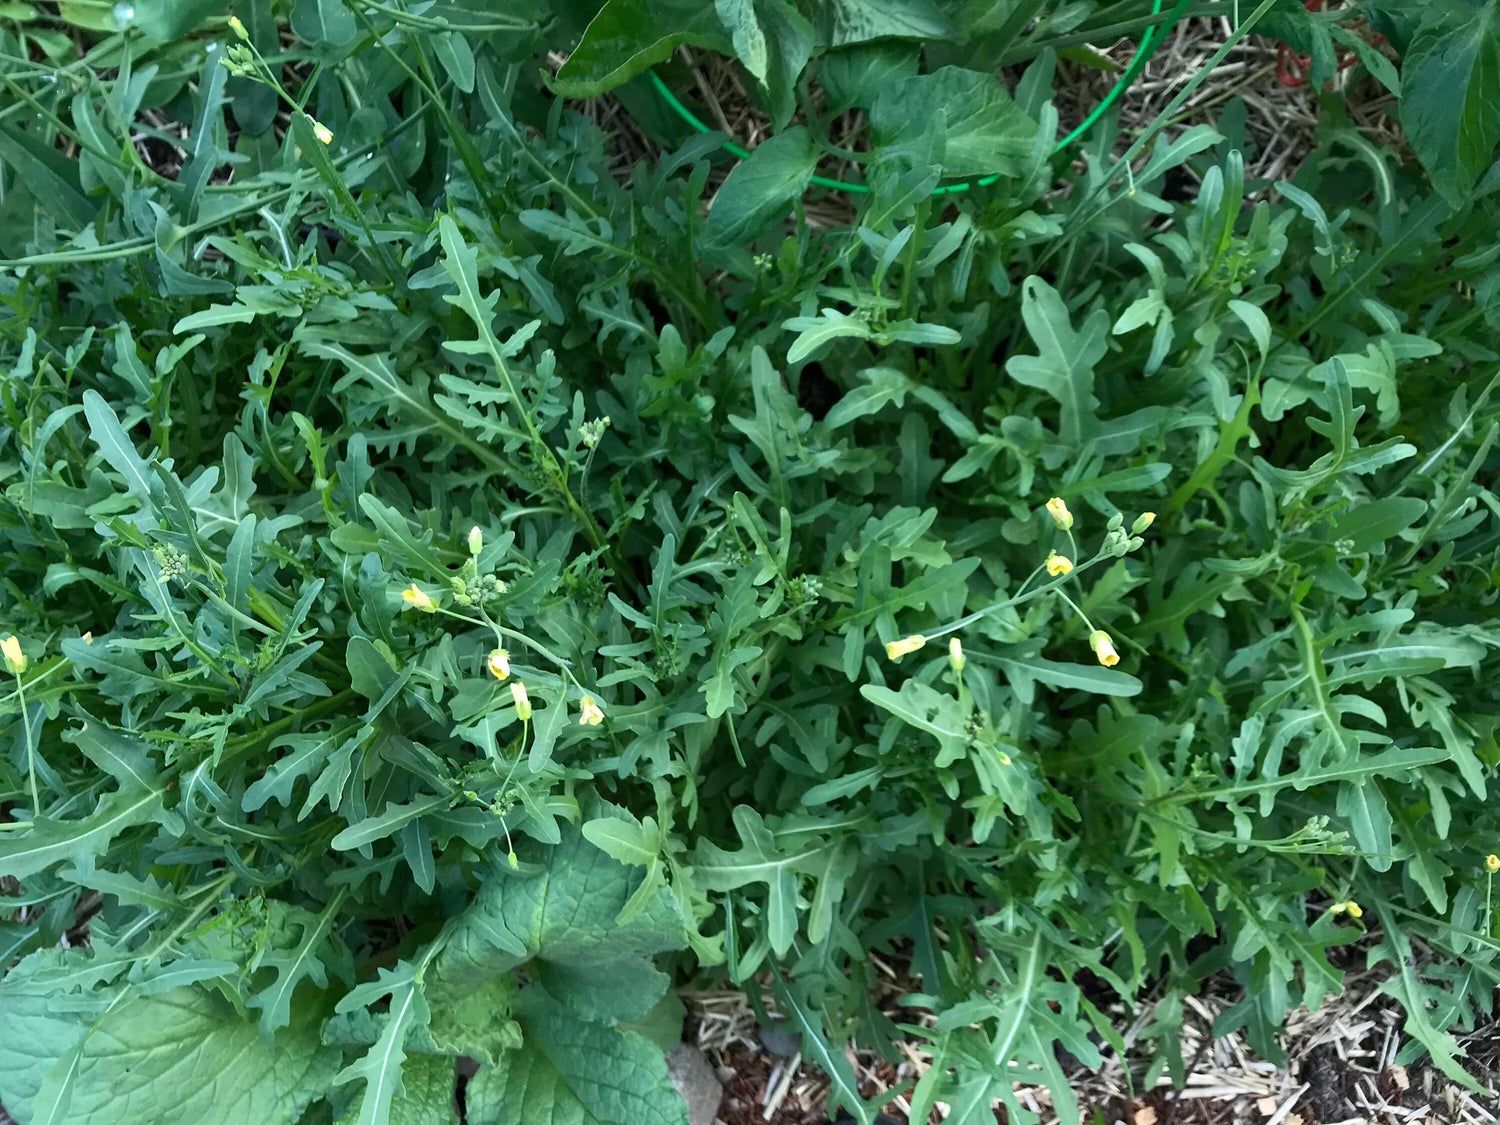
(460, 589)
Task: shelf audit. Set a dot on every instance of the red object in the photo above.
(1292, 69)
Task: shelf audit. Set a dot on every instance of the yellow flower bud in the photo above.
(590, 715)
(1058, 565)
(238, 27)
(1492, 863)
(1103, 648)
(895, 650)
(523, 701)
(1142, 522)
(498, 663)
(956, 654)
(476, 540)
(1058, 510)
(15, 659)
(323, 132)
(417, 598)
(1354, 909)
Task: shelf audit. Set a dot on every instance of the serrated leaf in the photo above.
(380, 1068)
(761, 860)
(49, 841)
(292, 961)
(116, 448)
(1064, 365)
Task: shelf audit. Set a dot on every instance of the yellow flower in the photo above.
(417, 598)
(1492, 863)
(323, 132)
(498, 663)
(895, 650)
(956, 654)
(523, 701)
(1059, 564)
(15, 659)
(1349, 907)
(590, 715)
(238, 27)
(1103, 648)
(1058, 510)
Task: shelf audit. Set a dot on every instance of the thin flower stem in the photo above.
(1077, 610)
(1018, 599)
(36, 804)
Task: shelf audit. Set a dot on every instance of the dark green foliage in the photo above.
(287, 455)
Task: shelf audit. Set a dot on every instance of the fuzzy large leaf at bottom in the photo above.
(572, 1072)
(182, 1058)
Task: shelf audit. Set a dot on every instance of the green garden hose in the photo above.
(1150, 41)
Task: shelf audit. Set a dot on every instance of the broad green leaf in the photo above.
(565, 909)
(1450, 94)
(860, 21)
(628, 36)
(323, 22)
(573, 1072)
(1064, 367)
(166, 20)
(43, 1023)
(477, 1023)
(855, 75)
(147, 1044)
(790, 42)
(983, 130)
(760, 190)
(609, 990)
(739, 18)
(457, 57)
(52, 179)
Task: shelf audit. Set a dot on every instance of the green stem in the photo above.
(36, 803)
